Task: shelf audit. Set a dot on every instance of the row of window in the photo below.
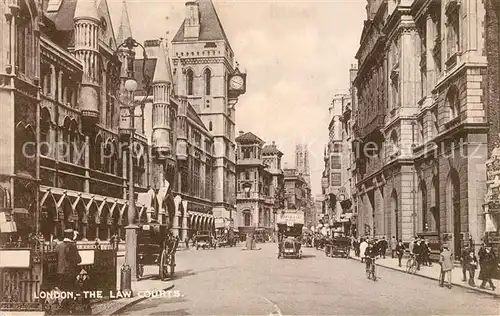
(207, 77)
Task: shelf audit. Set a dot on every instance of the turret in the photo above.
(126, 57)
(192, 21)
(86, 35)
(164, 114)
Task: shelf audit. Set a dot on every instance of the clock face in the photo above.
(236, 82)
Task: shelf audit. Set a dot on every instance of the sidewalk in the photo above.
(433, 272)
(149, 284)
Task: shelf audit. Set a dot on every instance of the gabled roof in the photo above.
(210, 25)
(249, 138)
(271, 150)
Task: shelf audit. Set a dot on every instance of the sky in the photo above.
(296, 54)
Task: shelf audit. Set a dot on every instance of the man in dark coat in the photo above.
(68, 259)
(400, 251)
(382, 246)
(488, 262)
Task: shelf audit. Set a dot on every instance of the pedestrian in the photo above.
(383, 247)
(362, 248)
(186, 241)
(446, 262)
(471, 264)
(463, 262)
(488, 266)
(426, 253)
(417, 250)
(68, 259)
(400, 250)
(411, 245)
(394, 244)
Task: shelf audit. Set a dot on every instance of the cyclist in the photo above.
(370, 255)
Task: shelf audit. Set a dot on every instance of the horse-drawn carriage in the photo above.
(337, 246)
(156, 246)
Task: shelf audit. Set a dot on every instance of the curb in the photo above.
(477, 289)
(117, 310)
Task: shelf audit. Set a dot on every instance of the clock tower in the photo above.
(207, 76)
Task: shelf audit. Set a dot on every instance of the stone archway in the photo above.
(92, 215)
(49, 217)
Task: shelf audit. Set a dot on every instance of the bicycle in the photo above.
(371, 272)
(411, 264)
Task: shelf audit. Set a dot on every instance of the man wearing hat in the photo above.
(68, 259)
(446, 262)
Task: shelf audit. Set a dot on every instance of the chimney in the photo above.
(152, 48)
(274, 143)
(242, 132)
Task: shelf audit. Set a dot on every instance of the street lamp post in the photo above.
(126, 100)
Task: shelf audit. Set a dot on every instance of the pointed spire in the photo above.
(162, 73)
(124, 30)
(86, 9)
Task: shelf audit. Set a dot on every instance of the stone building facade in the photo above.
(259, 177)
(422, 124)
(65, 142)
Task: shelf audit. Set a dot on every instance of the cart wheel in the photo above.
(163, 265)
(140, 270)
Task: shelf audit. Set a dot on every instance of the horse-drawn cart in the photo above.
(338, 246)
(156, 246)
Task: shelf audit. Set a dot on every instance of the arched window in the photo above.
(73, 143)
(453, 102)
(208, 77)
(97, 153)
(425, 221)
(394, 143)
(45, 145)
(24, 42)
(108, 156)
(189, 81)
(25, 149)
(210, 126)
(247, 218)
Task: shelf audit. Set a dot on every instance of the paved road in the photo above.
(230, 281)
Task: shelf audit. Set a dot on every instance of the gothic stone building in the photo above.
(422, 125)
(65, 138)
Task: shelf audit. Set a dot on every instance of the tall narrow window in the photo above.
(210, 126)
(45, 132)
(208, 78)
(189, 82)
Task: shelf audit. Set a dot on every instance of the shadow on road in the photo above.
(185, 273)
(178, 312)
(308, 256)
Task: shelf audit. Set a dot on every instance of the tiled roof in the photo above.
(191, 113)
(271, 150)
(210, 26)
(63, 18)
(150, 66)
(249, 138)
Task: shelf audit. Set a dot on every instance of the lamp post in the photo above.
(127, 101)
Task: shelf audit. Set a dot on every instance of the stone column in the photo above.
(430, 63)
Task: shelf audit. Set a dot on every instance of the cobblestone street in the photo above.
(230, 281)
